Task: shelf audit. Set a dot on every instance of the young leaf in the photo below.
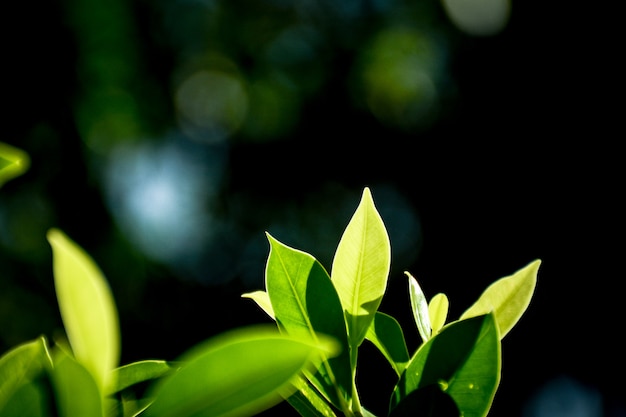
(386, 334)
(136, 372)
(419, 305)
(21, 365)
(438, 312)
(361, 266)
(87, 309)
(76, 391)
(507, 297)
(263, 300)
(13, 162)
(305, 304)
(238, 373)
(463, 360)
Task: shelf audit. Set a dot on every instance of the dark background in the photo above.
(517, 158)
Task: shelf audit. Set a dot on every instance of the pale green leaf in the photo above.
(238, 373)
(87, 309)
(419, 305)
(305, 303)
(20, 365)
(386, 334)
(438, 311)
(13, 162)
(361, 267)
(463, 361)
(507, 297)
(263, 300)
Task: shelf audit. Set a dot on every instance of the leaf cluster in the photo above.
(455, 371)
(309, 358)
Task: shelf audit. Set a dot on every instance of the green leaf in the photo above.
(136, 372)
(367, 413)
(507, 297)
(306, 304)
(386, 334)
(30, 400)
(308, 402)
(361, 267)
(13, 162)
(134, 407)
(87, 309)
(20, 365)
(238, 373)
(76, 391)
(463, 360)
(438, 312)
(419, 305)
(263, 300)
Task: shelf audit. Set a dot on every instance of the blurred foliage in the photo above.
(167, 135)
(13, 162)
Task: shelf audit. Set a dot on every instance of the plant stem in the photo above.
(356, 402)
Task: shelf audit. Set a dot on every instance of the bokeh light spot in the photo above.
(564, 397)
(211, 104)
(274, 110)
(159, 195)
(399, 75)
(478, 17)
(115, 122)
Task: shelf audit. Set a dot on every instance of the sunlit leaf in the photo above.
(361, 267)
(76, 391)
(263, 300)
(87, 309)
(386, 334)
(13, 162)
(305, 304)
(438, 312)
(419, 306)
(463, 360)
(21, 365)
(239, 373)
(308, 402)
(507, 297)
(136, 372)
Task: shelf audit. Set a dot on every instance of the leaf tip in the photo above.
(53, 234)
(269, 237)
(367, 194)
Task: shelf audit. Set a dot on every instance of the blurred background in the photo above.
(167, 136)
